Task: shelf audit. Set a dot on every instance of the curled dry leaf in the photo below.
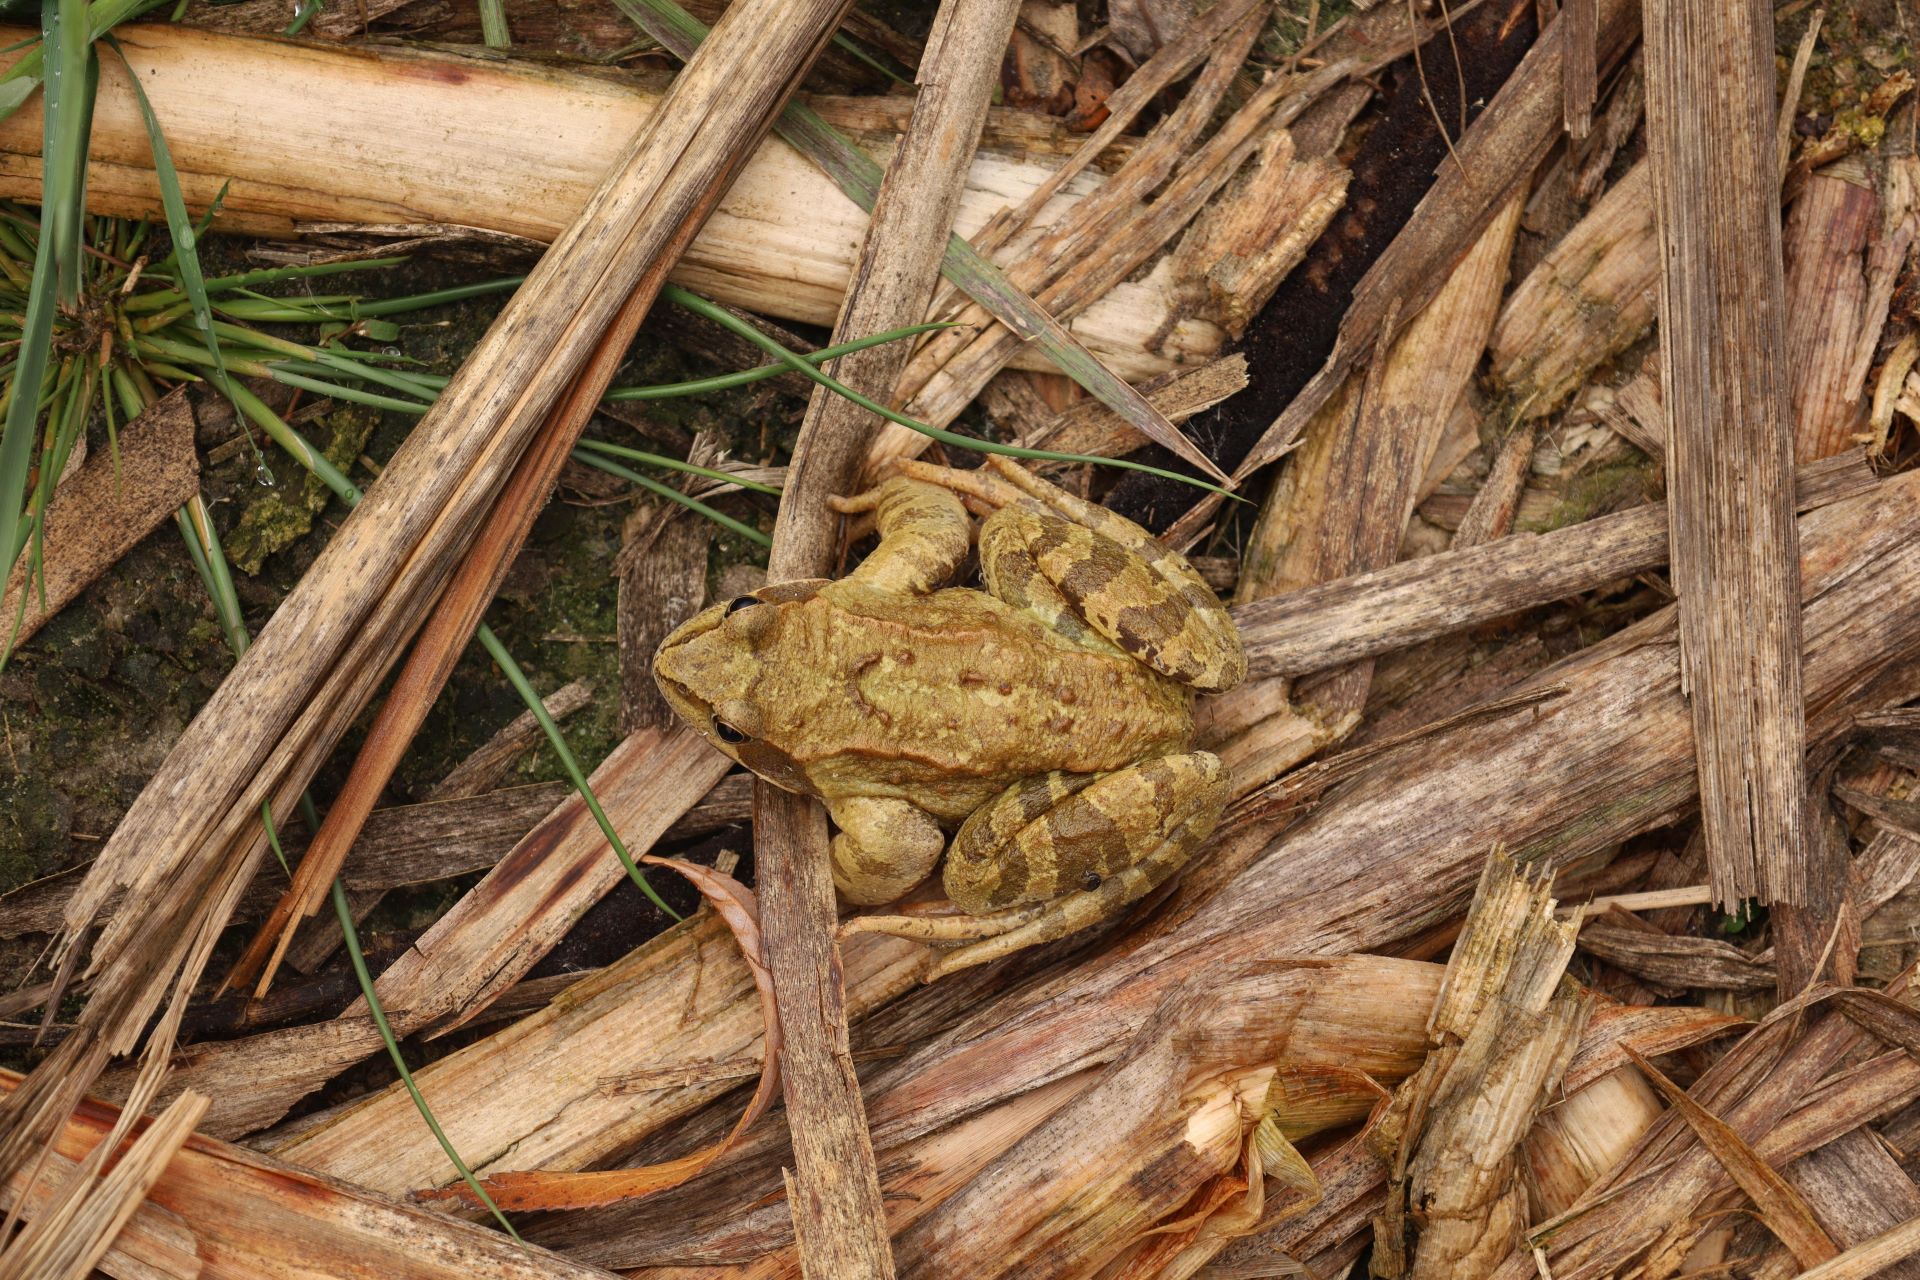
(532, 1189)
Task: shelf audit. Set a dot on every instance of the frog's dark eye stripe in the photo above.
(726, 732)
(738, 603)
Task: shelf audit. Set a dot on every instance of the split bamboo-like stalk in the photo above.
(844, 1231)
(1714, 171)
(1504, 1030)
(1589, 299)
(1791, 1086)
(515, 147)
(1317, 627)
(188, 846)
(478, 949)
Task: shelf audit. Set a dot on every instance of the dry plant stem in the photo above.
(1710, 128)
(187, 847)
(534, 141)
(1825, 240)
(1590, 298)
(220, 1212)
(1102, 240)
(437, 649)
(1504, 1030)
(470, 956)
(837, 1211)
(1317, 627)
(1874, 1257)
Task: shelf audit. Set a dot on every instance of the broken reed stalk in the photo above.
(843, 1230)
(187, 847)
(1715, 179)
(533, 142)
(451, 625)
(1317, 627)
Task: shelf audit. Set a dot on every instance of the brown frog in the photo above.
(1048, 717)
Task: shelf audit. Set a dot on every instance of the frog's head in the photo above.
(713, 669)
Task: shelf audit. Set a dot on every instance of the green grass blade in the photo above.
(365, 979)
(493, 25)
(727, 381)
(36, 341)
(64, 220)
(720, 316)
(186, 255)
(302, 18)
(671, 494)
(160, 299)
(518, 679)
(674, 464)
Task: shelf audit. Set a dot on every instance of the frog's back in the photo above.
(945, 700)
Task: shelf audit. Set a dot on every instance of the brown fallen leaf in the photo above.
(100, 512)
(533, 1189)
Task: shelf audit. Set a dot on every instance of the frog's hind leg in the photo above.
(1064, 557)
(924, 535)
(1053, 855)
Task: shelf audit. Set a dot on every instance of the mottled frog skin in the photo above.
(1048, 716)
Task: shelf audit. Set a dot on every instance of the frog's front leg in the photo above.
(1051, 855)
(885, 847)
(924, 535)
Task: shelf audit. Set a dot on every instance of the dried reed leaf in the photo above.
(1091, 428)
(1715, 179)
(1786, 1213)
(1676, 963)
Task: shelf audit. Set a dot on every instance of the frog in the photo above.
(1045, 718)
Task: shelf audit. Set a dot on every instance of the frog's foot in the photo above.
(1082, 569)
(924, 535)
(884, 848)
(1053, 855)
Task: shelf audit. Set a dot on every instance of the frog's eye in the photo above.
(738, 603)
(726, 732)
